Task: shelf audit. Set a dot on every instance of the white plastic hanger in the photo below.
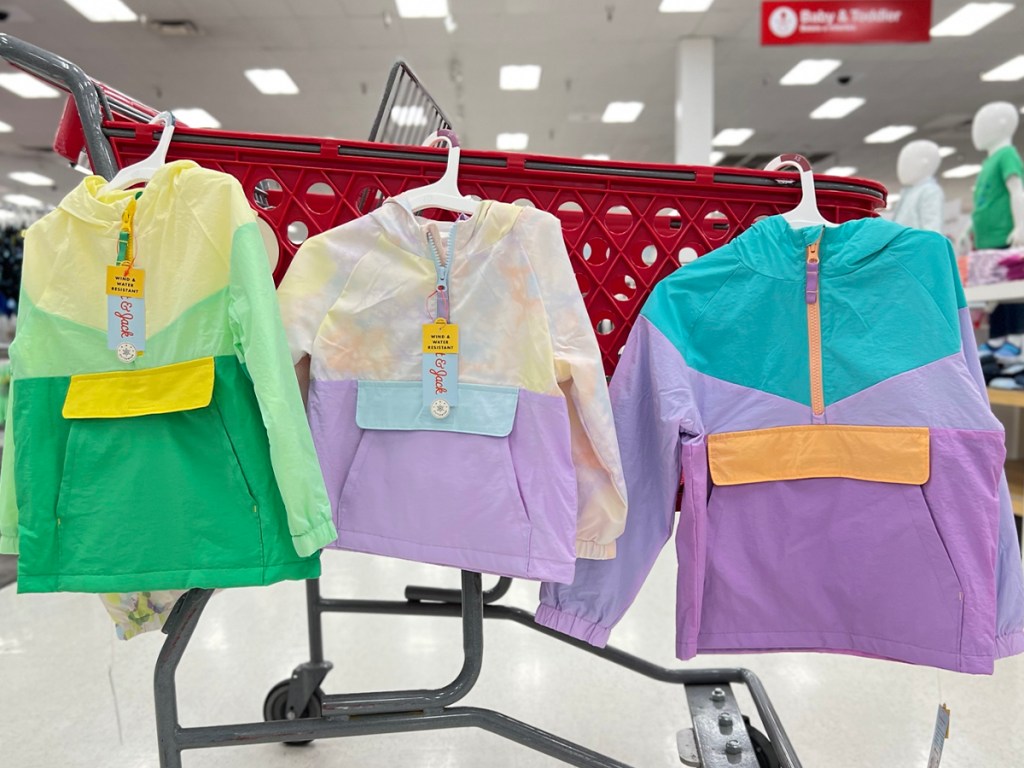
(142, 171)
(806, 214)
(443, 193)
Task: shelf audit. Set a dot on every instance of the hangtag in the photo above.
(940, 736)
(440, 383)
(441, 337)
(122, 282)
(126, 312)
(126, 324)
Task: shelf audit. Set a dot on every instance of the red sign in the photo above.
(830, 22)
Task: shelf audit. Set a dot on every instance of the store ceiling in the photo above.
(339, 52)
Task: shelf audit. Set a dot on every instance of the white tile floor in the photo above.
(72, 696)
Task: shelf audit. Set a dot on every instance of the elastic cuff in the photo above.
(591, 550)
(8, 545)
(315, 538)
(574, 626)
(1010, 645)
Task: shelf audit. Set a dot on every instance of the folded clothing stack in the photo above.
(1001, 365)
(985, 267)
(994, 265)
(1014, 266)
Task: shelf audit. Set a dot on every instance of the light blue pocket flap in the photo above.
(482, 409)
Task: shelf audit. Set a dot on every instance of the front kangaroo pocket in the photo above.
(821, 534)
(447, 483)
(154, 493)
(829, 558)
(443, 489)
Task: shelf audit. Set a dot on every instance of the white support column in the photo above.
(695, 100)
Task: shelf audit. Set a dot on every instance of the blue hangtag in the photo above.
(126, 322)
(440, 379)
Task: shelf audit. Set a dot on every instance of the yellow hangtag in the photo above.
(440, 338)
(131, 285)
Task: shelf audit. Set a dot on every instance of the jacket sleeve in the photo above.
(261, 345)
(1009, 570)
(601, 488)
(8, 498)
(660, 438)
(313, 282)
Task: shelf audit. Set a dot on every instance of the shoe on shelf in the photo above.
(1012, 370)
(1005, 352)
(1006, 382)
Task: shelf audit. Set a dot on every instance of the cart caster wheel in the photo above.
(275, 707)
(763, 749)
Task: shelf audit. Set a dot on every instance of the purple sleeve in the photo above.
(654, 413)
(1009, 572)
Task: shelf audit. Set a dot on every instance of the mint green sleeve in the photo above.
(261, 346)
(8, 500)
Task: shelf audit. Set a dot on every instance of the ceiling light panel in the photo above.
(732, 137)
(837, 108)
(196, 117)
(103, 10)
(31, 178)
(598, 156)
(5, 127)
(716, 157)
(513, 142)
(622, 112)
(28, 87)
(422, 9)
(403, 116)
(840, 170)
(519, 77)
(970, 18)
(273, 82)
(889, 134)
(810, 71)
(25, 201)
(947, 151)
(684, 6)
(962, 172)
(1007, 72)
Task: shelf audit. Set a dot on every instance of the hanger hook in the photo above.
(166, 117)
(799, 162)
(442, 136)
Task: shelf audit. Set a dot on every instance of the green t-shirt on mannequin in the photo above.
(993, 216)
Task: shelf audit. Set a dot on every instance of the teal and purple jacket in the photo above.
(820, 394)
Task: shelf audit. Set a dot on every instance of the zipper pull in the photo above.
(811, 293)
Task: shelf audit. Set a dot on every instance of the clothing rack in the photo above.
(626, 226)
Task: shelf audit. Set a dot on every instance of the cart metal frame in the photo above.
(719, 737)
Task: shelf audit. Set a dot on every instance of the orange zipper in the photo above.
(812, 295)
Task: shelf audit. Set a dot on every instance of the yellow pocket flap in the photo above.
(121, 394)
(878, 454)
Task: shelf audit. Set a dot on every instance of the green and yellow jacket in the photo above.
(183, 460)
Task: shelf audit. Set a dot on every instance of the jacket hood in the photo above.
(89, 203)
(844, 248)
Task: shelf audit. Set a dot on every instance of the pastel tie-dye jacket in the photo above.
(191, 465)
(843, 471)
(523, 474)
